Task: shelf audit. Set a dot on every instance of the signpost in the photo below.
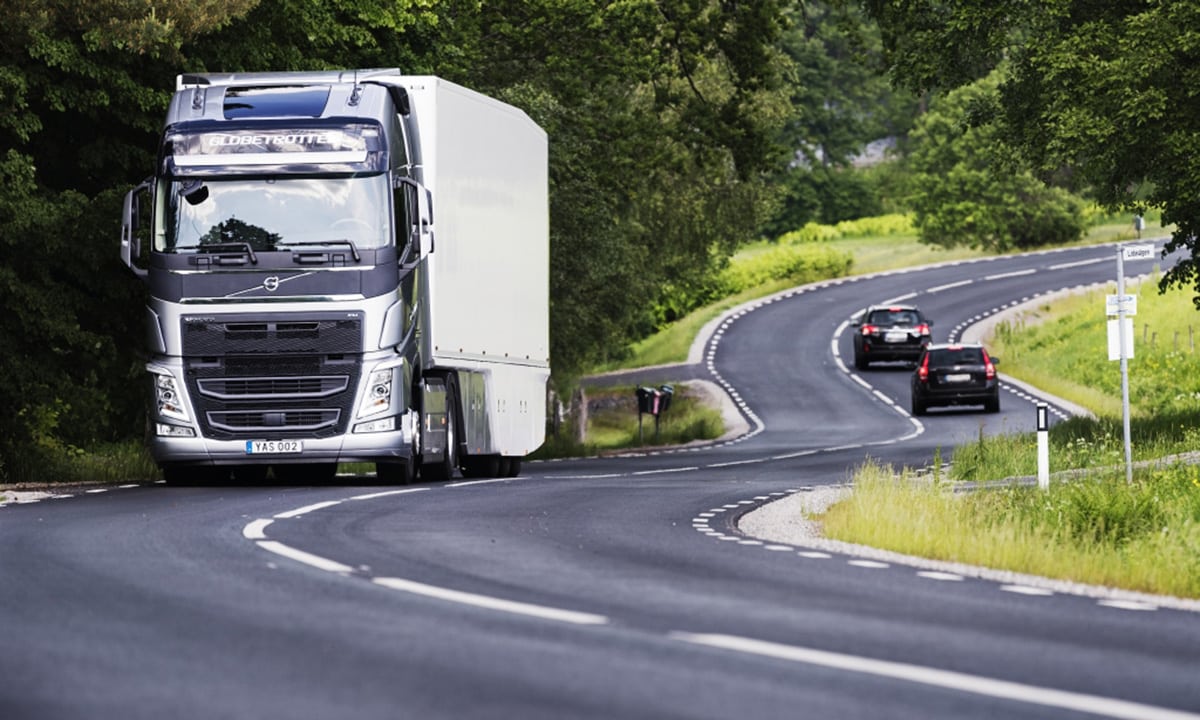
(1125, 306)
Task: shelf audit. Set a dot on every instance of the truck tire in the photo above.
(305, 473)
(514, 467)
(482, 466)
(443, 470)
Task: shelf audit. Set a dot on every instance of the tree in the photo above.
(1098, 92)
(967, 190)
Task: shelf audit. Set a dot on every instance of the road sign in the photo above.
(1114, 340)
(1113, 307)
(1138, 252)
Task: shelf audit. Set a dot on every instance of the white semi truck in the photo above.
(343, 267)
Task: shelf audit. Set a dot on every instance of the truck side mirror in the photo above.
(420, 202)
(131, 246)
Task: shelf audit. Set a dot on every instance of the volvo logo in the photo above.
(271, 284)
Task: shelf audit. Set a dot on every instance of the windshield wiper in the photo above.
(327, 243)
(217, 248)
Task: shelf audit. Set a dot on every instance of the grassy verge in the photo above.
(1141, 536)
(612, 424)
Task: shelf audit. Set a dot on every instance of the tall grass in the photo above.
(1141, 536)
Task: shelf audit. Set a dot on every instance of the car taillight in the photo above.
(868, 329)
(923, 329)
(988, 367)
(923, 371)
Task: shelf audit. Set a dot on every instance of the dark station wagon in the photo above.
(955, 374)
(890, 332)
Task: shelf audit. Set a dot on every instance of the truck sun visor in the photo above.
(212, 148)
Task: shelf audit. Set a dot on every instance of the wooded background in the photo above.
(679, 130)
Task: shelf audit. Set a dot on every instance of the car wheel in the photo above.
(860, 361)
(993, 405)
(918, 407)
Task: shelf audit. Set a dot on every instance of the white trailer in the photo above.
(344, 266)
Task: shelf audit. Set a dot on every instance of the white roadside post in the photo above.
(1125, 307)
(1043, 446)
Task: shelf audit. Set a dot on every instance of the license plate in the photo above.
(273, 447)
(895, 336)
(957, 378)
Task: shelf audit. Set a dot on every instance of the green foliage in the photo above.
(1091, 95)
(966, 193)
(1142, 536)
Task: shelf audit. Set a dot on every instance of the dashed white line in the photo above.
(307, 509)
(1027, 590)
(1078, 263)
(1015, 273)
(950, 680)
(948, 286)
(941, 576)
(300, 556)
(871, 564)
(492, 603)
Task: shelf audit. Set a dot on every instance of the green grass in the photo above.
(612, 424)
(1142, 536)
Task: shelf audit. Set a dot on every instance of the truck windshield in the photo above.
(273, 213)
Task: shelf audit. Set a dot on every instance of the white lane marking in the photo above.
(1015, 273)
(97, 491)
(874, 564)
(491, 603)
(778, 548)
(899, 299)
(300, 556)
(469, 483)
(960, 283)
(814, 555)
(666, 470)
(126, 487)
(948, 679)
(1078, 263)
(257, 529)
(305, 510)
(1027, 590)
(943, 576)
(1128, 605)
(387, 493)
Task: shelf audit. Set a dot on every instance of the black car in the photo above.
(955, 375)
(890, 332)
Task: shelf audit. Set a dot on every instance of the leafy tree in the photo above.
(840, 102)
(1098, 92)
(968, 191)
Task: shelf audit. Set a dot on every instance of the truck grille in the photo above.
(282, 378)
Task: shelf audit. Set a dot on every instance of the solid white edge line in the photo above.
(491, 603)
(304, 510)
(300, 556)
(257, 529)
(962, 682)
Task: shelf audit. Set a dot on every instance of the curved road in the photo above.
(606, 588)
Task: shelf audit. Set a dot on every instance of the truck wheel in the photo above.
(514, 467)
(482, 466)
(443, 469)
(396, 473)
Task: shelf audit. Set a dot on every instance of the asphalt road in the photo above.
(606, 588)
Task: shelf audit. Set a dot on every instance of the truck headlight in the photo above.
(378, 397)
(168, 399)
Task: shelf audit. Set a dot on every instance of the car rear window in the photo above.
(893, 317)
(962, 356)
